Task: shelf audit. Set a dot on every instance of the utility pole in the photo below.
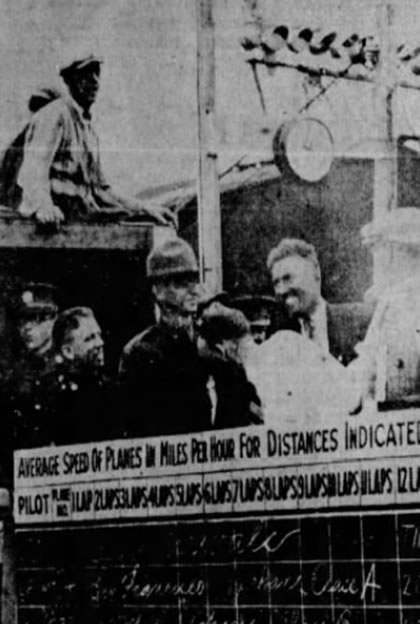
(386, 165)
(209, 218)
(385, 185)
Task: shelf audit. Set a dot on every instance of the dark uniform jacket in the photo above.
(77, 405)
(347, 325)
(23, 397)
(163, 384)
(55, 404)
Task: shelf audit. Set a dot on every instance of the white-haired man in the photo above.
(296, 276)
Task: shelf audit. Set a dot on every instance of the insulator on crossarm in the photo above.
(301, 40)
(371, 50)
(407, 53)
(274, 39)
(334, 52)
(323, 44)
(349, 42)
(355, 51)
(251, 36)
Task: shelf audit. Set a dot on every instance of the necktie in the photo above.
(311, 329)
(307, 328)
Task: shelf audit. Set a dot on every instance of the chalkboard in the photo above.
(313, 569)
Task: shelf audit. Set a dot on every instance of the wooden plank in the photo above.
(125, 236)
(342, 74)
(8, 566)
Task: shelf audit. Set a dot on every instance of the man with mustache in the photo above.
(296, 278)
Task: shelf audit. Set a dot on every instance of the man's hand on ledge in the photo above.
(160, 214)
(49, 214)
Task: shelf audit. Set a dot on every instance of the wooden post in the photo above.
(8, 564)
(209, 219)
(385, 163)
(385, 189)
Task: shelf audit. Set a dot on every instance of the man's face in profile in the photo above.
(297, 285)
(84, 84)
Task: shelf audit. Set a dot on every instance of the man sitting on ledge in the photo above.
(61, 176)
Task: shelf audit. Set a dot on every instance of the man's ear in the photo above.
(67, 352)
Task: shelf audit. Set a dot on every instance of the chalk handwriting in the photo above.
(259, 542)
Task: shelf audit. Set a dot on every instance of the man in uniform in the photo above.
(77, 394)
(33, 313)
(163, 379)
(61, 176)
(296, 277)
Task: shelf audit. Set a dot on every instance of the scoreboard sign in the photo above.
(247, 526)
(351, 463)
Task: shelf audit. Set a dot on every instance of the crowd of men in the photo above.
(192, 370)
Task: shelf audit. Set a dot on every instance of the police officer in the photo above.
(36, 312)
(33, 312)
(78, 395)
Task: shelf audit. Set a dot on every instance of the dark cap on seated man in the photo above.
(76, 61)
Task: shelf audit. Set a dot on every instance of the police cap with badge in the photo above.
(34, 301)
